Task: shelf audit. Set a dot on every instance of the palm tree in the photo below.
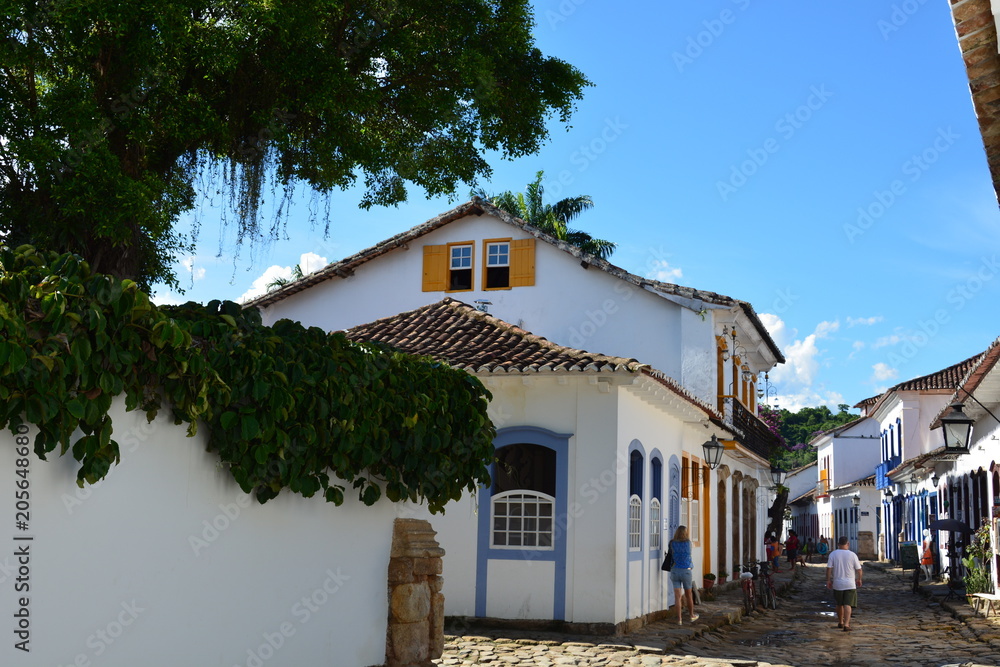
(281, 282)
(553, 219)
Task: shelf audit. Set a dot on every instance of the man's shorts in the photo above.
(846, 598)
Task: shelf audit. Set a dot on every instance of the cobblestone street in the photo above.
(892, 626)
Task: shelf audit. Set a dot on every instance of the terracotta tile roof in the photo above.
(946, 378)
(464, 337)
(476, 206)
(977, 40)
(984, 365)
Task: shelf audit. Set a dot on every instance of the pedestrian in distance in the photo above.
(680, 574)
(777, 553)
(843, 577)
(823, 547)
(792, 549)
(809, 549)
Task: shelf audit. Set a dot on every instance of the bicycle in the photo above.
(747, 577)
(765, 587)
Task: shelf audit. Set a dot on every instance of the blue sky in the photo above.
(821, 161)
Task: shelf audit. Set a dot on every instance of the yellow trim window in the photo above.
(459, 267)
(496, 268)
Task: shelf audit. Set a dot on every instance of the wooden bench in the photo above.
(988, 601)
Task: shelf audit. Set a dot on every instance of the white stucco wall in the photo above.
(582, 308)
(167, 562)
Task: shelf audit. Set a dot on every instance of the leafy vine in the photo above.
(284, 406)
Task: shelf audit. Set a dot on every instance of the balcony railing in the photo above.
(756, 436)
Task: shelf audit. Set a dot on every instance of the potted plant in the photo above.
(722, 576)
(977, 578)
(708, 581)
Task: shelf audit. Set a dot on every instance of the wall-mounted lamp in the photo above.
(856, 500)
(935, 479)
(887, 493)
(956, 427)
(777, 476)
(713, 452)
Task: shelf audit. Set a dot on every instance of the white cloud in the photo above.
(776, 327)
(308, 262)
(883, 372)
(196, 273)
(885, 341)
(167, 298)
(863, 321)
(810, 398)
(660, 269)
(858, 345)
(800, 362)
(824, 329)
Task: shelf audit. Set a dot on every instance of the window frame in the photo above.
(486, 263)
(524, 495)
(471, 245)
(635, 523)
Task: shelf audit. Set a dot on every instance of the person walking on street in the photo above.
(843, 576)
(680, 574)
(809, 549)
(792, 548)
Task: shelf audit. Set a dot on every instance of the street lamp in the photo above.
(856, 500)
(888, 493)
(713, 452)
(935, 479)
(957, 429)
(777, 476)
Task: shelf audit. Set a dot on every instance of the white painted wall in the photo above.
(167, 563)
(854, 453)
(586, 309)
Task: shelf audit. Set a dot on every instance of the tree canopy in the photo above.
(285, 407)
(113, 114)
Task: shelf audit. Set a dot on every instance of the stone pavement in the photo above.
(912, 631)
(643, 647)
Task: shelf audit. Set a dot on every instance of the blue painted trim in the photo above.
(559, 443)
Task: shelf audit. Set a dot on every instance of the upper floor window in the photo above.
(506, 263)
(497, 265)
(460, 268)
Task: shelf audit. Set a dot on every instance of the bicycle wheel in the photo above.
(770, 597)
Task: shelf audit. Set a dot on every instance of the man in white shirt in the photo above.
(843, 575)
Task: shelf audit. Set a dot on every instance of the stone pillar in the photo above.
(416, 606)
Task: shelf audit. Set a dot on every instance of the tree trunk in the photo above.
(776, 513)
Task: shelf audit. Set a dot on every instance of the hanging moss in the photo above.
(284, 406)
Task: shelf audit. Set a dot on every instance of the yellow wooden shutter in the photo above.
(435, 268)
(522, 263)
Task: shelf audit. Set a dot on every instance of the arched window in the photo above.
(655, 503)
(634, 523)
(523, 497)
(654, 524)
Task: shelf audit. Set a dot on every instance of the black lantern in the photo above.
(777, 476)
(957, 429)
(935, 479)
(856, 500)
(713, 452)
(888, 493)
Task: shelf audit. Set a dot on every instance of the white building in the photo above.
(967, 486)
(623, 438)
(847, 502)
(911, 453)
